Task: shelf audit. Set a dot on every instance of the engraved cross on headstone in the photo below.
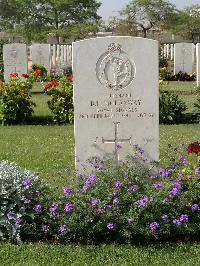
(116, 141)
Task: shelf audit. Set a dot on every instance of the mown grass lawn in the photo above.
(49, 150)
(60, 255)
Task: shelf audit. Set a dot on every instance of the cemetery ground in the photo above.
(49, 150)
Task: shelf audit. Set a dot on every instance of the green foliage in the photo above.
(188, 23)
(36, 19)
(15, 101)
(61, 103)
(171, 108)
(197, 103)
(40, 67)
(165, 74)
(149, 14)
(20, 191)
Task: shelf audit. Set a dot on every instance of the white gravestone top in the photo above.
(41, 54)
(15, 59)
(116, 97)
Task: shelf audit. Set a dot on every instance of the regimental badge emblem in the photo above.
(114, 69)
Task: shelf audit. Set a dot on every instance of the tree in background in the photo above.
(188, 23)
(146, 14)
(37, 18)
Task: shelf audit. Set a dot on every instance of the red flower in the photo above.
(14, 75)
(48, 86)
(54, 83)
(194, 148)
(37, 72)
(25, 76)
(70, 77)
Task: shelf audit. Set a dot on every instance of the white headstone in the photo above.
(171, 51)
(15, 59)
(198, 63)
(41, 54)
(183, 57)
(116, 97)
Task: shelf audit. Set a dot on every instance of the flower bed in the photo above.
(127, 204)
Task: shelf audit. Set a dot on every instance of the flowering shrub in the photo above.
(171, 108)
(61, 103)
(127, 203)
(15, 101)
(23, 196)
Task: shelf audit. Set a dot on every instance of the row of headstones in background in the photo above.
(16, 60)
(51, 55)
(183, 55)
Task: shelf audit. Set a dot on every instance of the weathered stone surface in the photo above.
(116, 97)
(15, 59)
(41, 54)
(183, 57)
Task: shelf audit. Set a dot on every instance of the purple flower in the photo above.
(117, 184)
(11, 214)
(110, 225)
(181, 157)
(195, 207)
(37, 208)
(183, 218)
(157, 185)
(62, 229)
(53, 207)
(154, 226)
(26, 182)
(45, 228)
(100, 211)
(153, 177)
(185, 161)
(165, 218)
(197, 170)
(176, 187)
(190, 177)
(130, 220)
(89, 181)
(174, 163)
(142, 202)
(94, 202)
(18, 221)
(133, 188)
(69, 207)
(67, 191)
(116, 201)
(119, 146)
(107, 207)
(165, 200)
(176, 222)
(141, 150)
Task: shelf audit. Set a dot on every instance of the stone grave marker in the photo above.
(15, 59)
(198, 63)
(183, 57)
(116, 97)
(41, 54)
